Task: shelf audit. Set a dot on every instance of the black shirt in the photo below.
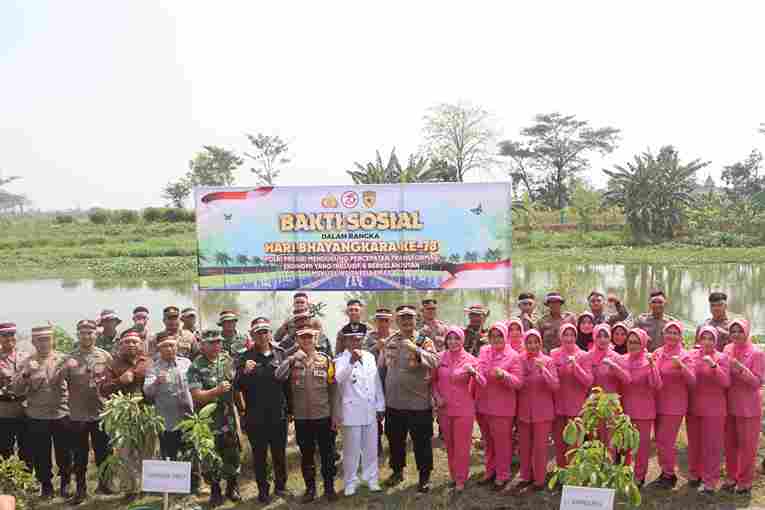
(266, 397)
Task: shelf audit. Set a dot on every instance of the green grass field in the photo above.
(474, 497)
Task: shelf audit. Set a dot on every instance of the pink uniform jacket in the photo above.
(575, 378)
(454, 383)
(709, 396)
(609, 378)
(498, 397)
(675, 382)
(536, 398)
(745, 392)
(639, 396)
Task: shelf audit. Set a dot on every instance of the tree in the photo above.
(743, 179)
(242, 260)
(177, 192)
(586, 202)
(214, 166)
(462, 135)
(553, 151)
(271, 151)
(654, 191)
(417, 169)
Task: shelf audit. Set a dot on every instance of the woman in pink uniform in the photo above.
(536, 412)
(501, 377)
(742, 428)
(608, 369)
(515, 334)
(452, 383)
(707, 410)
(619, 337)
(639, 396)
(677, 379)
(575, 375)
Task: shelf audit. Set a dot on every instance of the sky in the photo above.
(105, 102)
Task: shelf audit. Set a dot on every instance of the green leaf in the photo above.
(208, 410)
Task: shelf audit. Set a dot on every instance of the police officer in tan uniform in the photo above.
(189, 321)
(312, 384)
(408, 358)
(653, 322)
(300, 304)
(527, 304)
(432, 327)
(186, 342)
(13, 423)
(41, 380)
(549, 325)
(84, 369)
(718, 305)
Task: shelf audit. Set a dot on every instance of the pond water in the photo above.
(64, 302)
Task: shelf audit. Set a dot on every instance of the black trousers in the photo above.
(87, 435)
(419, 426)
(47, 434)
(13, 432)
(310, 434)
(273, 437)
(170, 444)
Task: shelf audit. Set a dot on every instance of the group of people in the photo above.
(520, 379)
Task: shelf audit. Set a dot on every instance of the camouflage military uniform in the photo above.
(475, 339)
(206, 375)
(235, 344)
(436, 330)
(110, 345)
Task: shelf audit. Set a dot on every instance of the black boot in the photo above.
(64, 492)
(82, 491)
(423, 486)
(232, 490)
(103, 488)
(329, 490)
(46, 491)
(310, 493)
(216, 495)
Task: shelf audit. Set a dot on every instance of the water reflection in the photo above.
(65, 302)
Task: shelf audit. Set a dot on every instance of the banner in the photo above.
(377, 237)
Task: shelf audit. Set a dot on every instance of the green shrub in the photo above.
(16, 480)
(152, 214)
(99, 216)
(126, 216)
(63, 219)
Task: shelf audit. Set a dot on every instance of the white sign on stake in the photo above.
(166, 476)
(586, 498)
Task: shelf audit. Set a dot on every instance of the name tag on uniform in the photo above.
(318, 372)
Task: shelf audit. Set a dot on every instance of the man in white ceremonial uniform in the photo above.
(362, 399)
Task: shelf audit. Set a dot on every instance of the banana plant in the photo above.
(592, 463)
(197, 432)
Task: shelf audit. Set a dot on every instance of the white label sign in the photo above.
(586, 498)
(166, 476)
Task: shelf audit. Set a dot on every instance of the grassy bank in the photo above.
(474, 497)
(44, 249)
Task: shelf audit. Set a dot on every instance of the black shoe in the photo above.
(216, 495)
(640, 483)
(730, 487)
(395, 479)
(664, 482)
(79, 497)
(232, 490)
(499, 487)
(451, 484)
(309, 495)
(46, 492)
(64, 490)
(282, 492)
(103, 488)
(694, 483)
(423, 486)
(744, 492)
(264, 498)
(489, 480)
(329, 491)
